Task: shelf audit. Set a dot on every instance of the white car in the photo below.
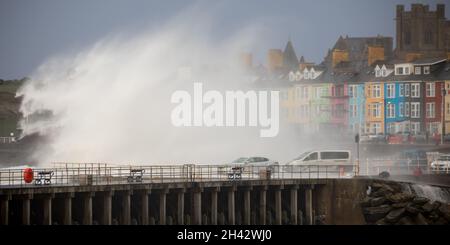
(323, 160)
(255, 164)
(442, 163)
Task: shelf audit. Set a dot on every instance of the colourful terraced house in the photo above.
(356, 105)
(374, 93)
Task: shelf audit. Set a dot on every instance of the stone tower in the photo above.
(421, 32)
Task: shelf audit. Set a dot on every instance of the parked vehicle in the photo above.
(255, 164)
(323, 160)
(442, 163)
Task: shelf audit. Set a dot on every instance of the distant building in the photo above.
(421, 33)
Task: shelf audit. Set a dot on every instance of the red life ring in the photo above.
(28, 175)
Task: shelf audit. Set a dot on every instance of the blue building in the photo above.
(357, 101)
(396, 107)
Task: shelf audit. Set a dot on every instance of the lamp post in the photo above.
(357, 153)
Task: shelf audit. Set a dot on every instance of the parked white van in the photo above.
(323, 161)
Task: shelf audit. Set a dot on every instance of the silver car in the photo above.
(441, 164)
(255, 164)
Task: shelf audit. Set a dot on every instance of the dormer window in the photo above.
(400, 71)
(406, 70)
(426, 70)
(384, 72)
(417, 70)
(291, 76)
(377, 71)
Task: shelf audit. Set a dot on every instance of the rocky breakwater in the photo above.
(388, 203)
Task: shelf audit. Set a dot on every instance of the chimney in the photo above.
(338, 56)
(246, 60)
(274, 59)
(375, 53)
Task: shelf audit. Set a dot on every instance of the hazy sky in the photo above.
(31, 31)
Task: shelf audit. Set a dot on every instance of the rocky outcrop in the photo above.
(387, 204)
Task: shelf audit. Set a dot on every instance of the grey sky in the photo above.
(31, 31)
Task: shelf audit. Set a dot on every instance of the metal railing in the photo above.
(7, 140)
(104, 174)
(402, 166)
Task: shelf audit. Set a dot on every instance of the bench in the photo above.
(136, 175)
(236, 173)
(44, 177)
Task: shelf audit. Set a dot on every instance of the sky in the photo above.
(33, 31)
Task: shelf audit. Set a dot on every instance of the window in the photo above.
(390, 90)
(390, 112)
(433, 127)
(401, 90)
(448, 108)
(376, 110)
(376, 91)
(391, 128)
(401, 108)
(334, 155)
(428, 37)
(415, 90)
(415, 127)
(353, 91)
(417, 70)
(406, 70)
(430, 89)
(354, 110)
(430, 110)
(408, 37)
(305, 93)
(319, 92)
(383, 72)
(400, 71)
(375, 128)
(312, 157)
(426, 70)
(415, 109)
(377, 72)
(297, 93)
(406, 109)
(406, 90)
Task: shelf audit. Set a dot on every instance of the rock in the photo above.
(420, 220)
(380, 193)
(395, 215)
(381, 222)
(387, 187)
(405, 221)
(366, 202)
(420, 200)
(444, 210)
(433, 216)
(373, 214)
(377, 201)
(412, 209)
(428, 207)
(400, 197)
(399, 205)
(441, 221)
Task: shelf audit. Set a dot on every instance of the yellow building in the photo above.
(374, 92)
(447, 107)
